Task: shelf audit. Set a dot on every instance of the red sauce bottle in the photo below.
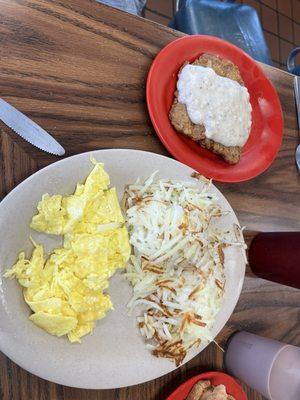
(276, 257)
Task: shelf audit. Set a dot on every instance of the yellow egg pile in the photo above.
(65, 291)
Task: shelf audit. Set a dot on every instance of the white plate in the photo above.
(115, 354)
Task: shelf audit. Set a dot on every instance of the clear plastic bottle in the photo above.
(268, 366)
(285, 375)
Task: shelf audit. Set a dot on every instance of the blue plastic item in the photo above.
(236, 23)
(292, 67)
(131, 6)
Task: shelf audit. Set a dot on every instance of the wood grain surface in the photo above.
(79, 70)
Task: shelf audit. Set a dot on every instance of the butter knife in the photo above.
(297, 97)
(29, 130)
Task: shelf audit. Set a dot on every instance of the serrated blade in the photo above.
(29, 130)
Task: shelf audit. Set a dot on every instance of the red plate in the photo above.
(216, 378)
(267, 124)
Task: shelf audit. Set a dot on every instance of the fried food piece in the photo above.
(221, 67)
(198, 389)
(182, 123)
(231, 154)
(180, 120)
(204, 390)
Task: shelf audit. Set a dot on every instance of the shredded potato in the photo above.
(177, 266)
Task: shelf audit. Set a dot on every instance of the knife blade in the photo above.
(297, 97)
(28, 129)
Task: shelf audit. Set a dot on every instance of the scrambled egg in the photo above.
(65, 291)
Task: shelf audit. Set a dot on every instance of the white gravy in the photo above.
(220, 104)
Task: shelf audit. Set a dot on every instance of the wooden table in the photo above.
(79, 69)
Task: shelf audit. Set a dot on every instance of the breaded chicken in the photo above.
(204, 390)
(182, 123)
(198, 389)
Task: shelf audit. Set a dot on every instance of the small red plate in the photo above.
(267, 124)
(216, 378)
